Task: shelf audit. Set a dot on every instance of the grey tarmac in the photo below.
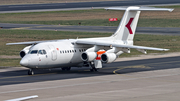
(103, 29)
(142, 79)
(80, 5)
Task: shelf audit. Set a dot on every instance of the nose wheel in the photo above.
(30, 72)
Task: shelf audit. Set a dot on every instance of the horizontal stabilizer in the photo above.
(134, 8)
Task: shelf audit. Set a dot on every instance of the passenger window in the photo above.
(70, 51)
(75, 50)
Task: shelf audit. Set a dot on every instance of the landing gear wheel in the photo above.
(63, 69)
(93, 70)
(30, 72)
(66, 68)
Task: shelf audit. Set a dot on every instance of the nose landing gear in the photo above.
(30, 72)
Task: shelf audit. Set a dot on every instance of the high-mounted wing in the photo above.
(30, 42)
(24, 43)
(110, 44)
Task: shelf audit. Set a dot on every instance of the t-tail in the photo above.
(127, 27)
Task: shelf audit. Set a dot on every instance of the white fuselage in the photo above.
(62, 53)
(90, 52)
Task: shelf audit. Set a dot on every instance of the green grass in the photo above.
(159, 23)
(105, 22)
(9, 62)
(101, 16)
(7, 36)
(173, 6)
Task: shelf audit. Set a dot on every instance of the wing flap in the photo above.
(103, 43)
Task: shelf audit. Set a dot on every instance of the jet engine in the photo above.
(24, 51)
(88, 56)
(108, 57)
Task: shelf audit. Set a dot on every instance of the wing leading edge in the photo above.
(30, 42)
(107, 44)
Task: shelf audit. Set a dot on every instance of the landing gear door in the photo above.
(53, 52)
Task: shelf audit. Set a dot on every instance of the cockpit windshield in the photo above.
(33, 52)
(36, 51)
(42, 52)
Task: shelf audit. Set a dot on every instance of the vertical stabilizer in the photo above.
(127, 27)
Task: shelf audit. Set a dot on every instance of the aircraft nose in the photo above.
(24, 62)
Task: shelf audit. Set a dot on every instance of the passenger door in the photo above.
(53, 52)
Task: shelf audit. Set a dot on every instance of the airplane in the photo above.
(91, 52)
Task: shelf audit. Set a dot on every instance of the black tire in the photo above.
(91, 70)
(68, 68)
(63, 69)
(30, 72)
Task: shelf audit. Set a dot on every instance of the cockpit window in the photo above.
(42, 52)
(33, 52)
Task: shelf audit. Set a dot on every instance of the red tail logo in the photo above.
(129, 25)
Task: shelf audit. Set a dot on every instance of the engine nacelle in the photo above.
(24, 51)
(108, 57)
(88, 56)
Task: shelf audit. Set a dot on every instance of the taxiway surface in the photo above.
(105, 29)
(18, 75)
(79, 5)
(146, 80)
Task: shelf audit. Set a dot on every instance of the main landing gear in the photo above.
(66, 68)
(30, 72)
(92, 66)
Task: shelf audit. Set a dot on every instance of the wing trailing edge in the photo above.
(110, 44)
(30, 42)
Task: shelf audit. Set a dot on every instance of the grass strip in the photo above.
(105, 22)
(8, 36)
(9, 62)
(93, 17)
